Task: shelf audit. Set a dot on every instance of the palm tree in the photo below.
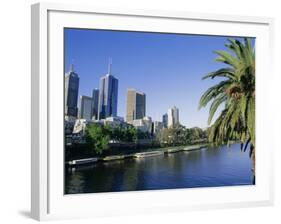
(236, 92)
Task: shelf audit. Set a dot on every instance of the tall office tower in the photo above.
(85, 108)
(165, 120)
(95, 104)
(173, 117)
(135, 105)
(71, 85)
(108, 96)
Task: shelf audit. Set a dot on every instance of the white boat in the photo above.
(82, 161)
(110, 158)
(174, 150)
(148, 154)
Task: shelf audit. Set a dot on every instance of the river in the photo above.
(207, 167)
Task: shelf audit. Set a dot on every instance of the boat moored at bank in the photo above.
(149, 154)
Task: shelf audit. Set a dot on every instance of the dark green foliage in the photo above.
(181, 136)
(143, 135)
(98, 136)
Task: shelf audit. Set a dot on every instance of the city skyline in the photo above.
(90, 107)
(166, 69)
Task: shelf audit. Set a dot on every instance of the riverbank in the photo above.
(143, 154)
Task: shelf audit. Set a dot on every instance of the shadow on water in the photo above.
(201, 168)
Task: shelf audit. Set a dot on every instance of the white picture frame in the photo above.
(48, 201)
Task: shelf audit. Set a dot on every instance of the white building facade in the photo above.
(144, 124)
(173, 117)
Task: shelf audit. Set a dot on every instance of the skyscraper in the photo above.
(165, 120)
(95, 103)
(85, 108)
(71, 85)
(108, 96)
(135, 105)
(173, 117)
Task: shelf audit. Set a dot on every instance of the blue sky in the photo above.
(167, 67)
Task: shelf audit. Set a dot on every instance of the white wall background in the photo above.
(15, 110)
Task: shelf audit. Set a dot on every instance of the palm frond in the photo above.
(212, 92)
(214, 106)
(227, 58)
(224, 73)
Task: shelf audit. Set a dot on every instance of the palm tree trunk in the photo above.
(253, 157)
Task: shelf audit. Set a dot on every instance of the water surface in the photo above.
(224, 166)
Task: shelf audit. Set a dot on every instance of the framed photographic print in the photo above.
(148, 111)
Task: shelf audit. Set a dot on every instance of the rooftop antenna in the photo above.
(109, 66)
(72, 66)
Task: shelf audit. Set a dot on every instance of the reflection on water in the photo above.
(202, 168)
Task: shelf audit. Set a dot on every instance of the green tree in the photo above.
(97, 137)
(130, 134)
(236, 92)
(180, 135)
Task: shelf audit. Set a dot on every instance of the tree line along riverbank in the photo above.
(101, 141)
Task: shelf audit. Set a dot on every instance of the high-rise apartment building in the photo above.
(136, 105)
(71, 85)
